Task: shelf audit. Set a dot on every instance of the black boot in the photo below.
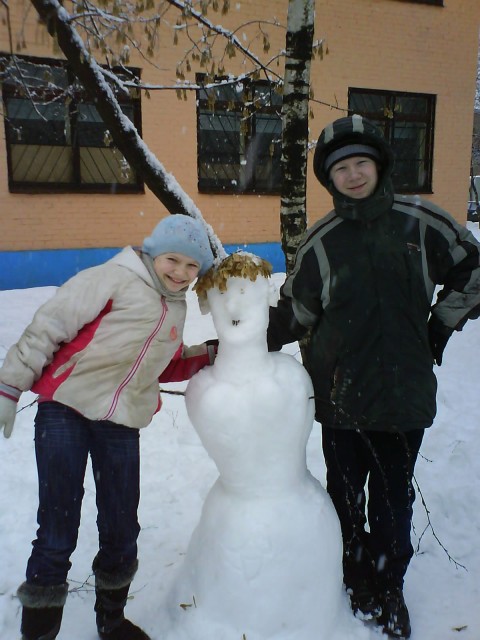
(394, 617)
(360, 580)
(111, 590)
(364, 601)
(42, 610)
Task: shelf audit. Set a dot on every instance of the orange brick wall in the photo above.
(382, 44)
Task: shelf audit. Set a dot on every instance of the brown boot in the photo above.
(111, 590)
(111, 622)
(42, 610)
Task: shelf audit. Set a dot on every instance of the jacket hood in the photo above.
(356, 130)
(142, 265)
(130, 259)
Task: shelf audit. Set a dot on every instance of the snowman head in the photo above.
(238, 293)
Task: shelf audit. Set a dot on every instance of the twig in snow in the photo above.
(430, 526)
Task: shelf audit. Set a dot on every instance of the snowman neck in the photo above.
(245, 356)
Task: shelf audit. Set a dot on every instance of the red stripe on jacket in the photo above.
(180, 369)
(48, 382)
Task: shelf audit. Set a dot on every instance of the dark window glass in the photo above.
(238, 137)
(56, 139)
(407, 120)
(438, 3)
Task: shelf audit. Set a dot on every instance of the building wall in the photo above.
(412, 47)
(375, 44)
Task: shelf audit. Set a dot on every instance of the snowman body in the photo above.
(266, 556)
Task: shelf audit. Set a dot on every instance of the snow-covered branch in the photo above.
(127, 138)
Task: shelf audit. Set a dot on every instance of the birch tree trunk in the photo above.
(299, 42)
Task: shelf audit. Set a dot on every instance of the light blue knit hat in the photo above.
(178, 233)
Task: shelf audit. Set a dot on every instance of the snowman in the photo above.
(265, 560)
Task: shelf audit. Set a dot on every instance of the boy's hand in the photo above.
(438, 336)
(8, 413)
(212, 348)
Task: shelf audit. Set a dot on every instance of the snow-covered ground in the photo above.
(442, 586)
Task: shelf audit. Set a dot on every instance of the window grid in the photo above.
(407, 121)
(238, 137)
(58, 143)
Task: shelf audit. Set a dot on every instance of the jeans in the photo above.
(63, 441)
(387, 459)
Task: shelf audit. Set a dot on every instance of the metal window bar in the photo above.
(407, 122)
(60, 103)
(251, 160)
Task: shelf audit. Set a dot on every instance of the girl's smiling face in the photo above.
(176, 270)
(356, 177)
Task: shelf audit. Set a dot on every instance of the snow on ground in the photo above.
(442, 587)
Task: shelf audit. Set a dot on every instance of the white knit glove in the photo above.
(8, 413)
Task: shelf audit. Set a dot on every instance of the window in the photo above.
(407, 120)
(239, 131)
(438, 3)
(56, 139)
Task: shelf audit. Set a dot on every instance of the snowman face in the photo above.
(241, 312)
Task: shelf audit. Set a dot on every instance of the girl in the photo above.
(95, 354)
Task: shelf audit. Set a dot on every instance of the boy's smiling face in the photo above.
(176, 270)
(355, 177)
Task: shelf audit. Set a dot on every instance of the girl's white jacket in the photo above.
(102, 344)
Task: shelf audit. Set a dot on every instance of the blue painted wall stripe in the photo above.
(52, 267)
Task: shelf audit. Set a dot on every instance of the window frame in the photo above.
(71, 98)
(389, 119)
(247, 119)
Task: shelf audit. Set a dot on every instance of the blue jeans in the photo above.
(63, 441)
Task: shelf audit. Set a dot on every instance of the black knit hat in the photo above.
(347, 137)
(348, 151)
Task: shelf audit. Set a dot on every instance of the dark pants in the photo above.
(63, 441)
(387, 459)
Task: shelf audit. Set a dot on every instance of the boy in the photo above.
(95, 354)
(363, 283)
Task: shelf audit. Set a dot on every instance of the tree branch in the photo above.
(127, 139)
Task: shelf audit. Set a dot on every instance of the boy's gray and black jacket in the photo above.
(364, 285)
